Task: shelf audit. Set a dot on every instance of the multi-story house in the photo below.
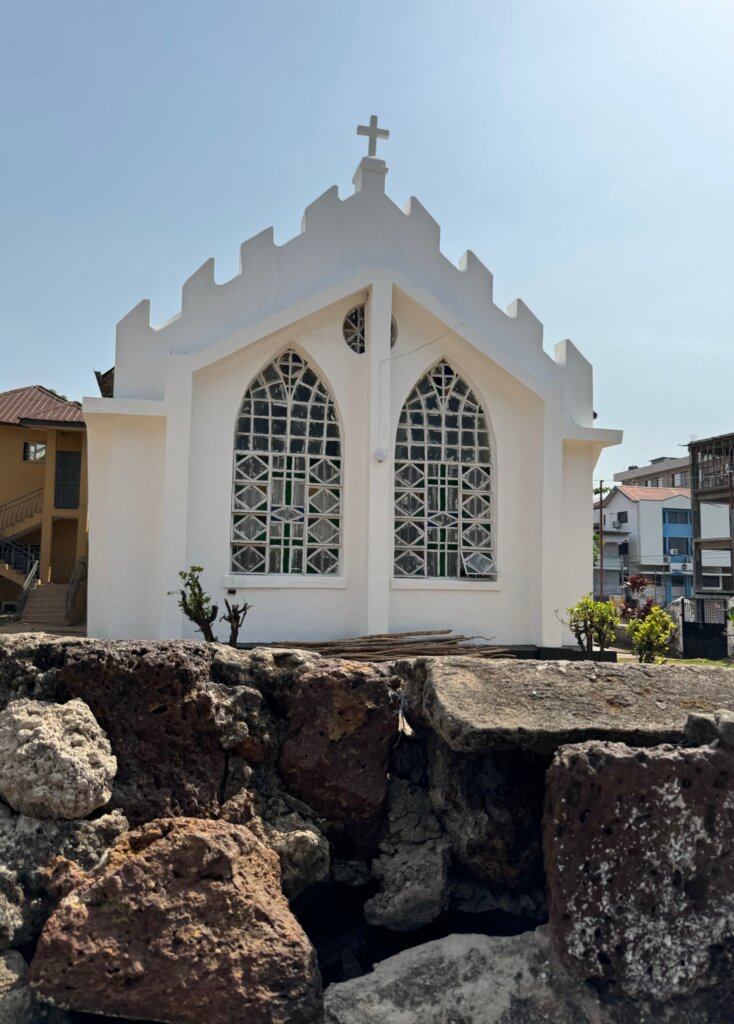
(712, 481)
(647, 530)
(43, 499)
(661, 472)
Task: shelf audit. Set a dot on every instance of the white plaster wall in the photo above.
(321, 606)
(125, 526)
(578, 552)
(510, 609)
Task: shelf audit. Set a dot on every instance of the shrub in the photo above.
(632, 610)
(592, 623)
(195, 603)
(651, 636)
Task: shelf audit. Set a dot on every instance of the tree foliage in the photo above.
(592, 623)
(651, 636)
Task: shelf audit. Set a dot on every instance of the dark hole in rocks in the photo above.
(333, 918)
(95, 1018)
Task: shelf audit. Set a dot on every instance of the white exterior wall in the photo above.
(161, 451)
(126, 515)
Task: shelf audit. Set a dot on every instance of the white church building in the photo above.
(351, 436)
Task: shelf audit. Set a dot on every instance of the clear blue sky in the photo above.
(584, 149)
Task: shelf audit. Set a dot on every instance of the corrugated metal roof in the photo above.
(39, 404)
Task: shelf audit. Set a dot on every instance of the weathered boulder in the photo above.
(254, 797)
(28, 847)
(270, 670)
(15, 910)
(17, 1003)
(413, 886)
(30, 663)
(479, 705)
(466, 979)
(638, 847)
(480, 979)
(15, 998)
(155, 702)
(413, 864)
(55, 761)
(490, 808)
(342, 724)
(183, 921)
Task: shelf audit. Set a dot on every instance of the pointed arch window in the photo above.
(443, 482)
(287, 488)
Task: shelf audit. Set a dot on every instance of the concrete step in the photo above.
(46, 605)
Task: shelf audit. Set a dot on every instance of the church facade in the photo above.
(351, 436)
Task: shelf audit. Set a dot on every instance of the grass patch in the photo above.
(725, 663)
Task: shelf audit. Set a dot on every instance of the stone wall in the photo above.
(191, 831)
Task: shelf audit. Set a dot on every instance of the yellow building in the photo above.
(43, 503)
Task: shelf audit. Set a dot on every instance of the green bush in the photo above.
(195, 603)
(651, 636)
(592, 623)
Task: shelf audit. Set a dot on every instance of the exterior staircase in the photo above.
(17, 518)
(46, 605)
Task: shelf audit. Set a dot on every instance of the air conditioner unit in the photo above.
(666, 560)
(687, 567)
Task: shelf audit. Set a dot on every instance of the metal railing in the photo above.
(77, 587)
(710, 610)
(19, 557)
(66, 496)
(30, 584)
(19, 509)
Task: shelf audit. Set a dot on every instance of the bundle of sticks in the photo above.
(392, 646)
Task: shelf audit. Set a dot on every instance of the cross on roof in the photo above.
(373, 133)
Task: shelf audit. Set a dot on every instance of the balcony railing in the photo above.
(66, 496)
(610, 562)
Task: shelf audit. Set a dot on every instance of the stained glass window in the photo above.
(287, 493)
(443, 482)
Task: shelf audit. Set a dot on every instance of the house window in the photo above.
(711, 582)
(677, 545)
(623, 517)
(624, 549)
(353, 329)
(443, 482)
(287, 490)
(680, 516)
(34, 451)
(653, 481)
(680, 479)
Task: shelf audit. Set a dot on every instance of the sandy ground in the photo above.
(24, 627)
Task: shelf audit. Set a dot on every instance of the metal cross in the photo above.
(373, 133)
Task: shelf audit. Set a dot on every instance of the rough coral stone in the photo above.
(639, 847)
(55, 761)
(183, 922)
(335, 757)
(155, 702)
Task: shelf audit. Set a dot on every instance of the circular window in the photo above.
(354, 333)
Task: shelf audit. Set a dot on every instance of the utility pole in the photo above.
(601, 541)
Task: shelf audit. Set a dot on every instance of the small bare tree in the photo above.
(235, 617)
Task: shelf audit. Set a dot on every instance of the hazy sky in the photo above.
(584, 149)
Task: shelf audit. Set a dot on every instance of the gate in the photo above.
(704, 627)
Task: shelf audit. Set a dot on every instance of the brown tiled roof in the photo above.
(37, 404)
(652, 493)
